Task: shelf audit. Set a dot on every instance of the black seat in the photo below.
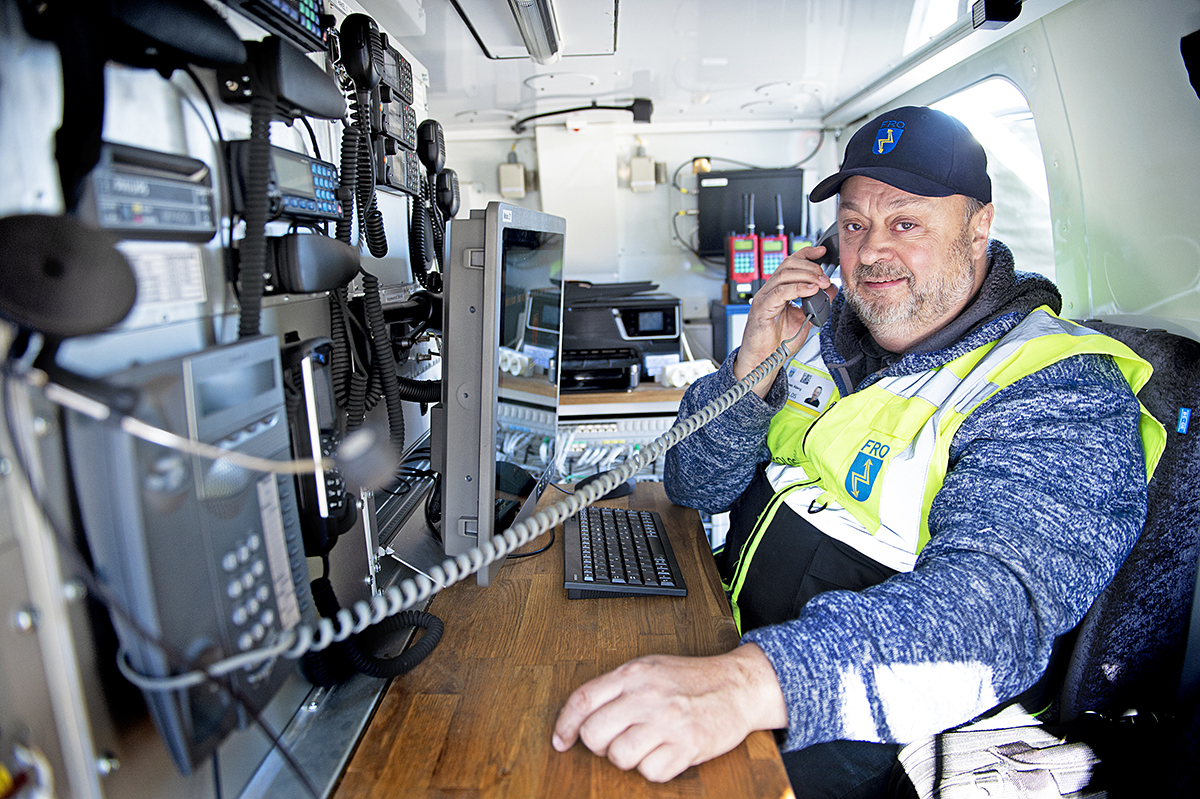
(1131, 646)
(1126, 680)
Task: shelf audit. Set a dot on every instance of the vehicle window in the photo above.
(998, 115)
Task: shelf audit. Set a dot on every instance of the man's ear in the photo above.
(981, 228)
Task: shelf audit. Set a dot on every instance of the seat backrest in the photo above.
(1130, 648)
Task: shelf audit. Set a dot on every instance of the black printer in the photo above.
(616, 333)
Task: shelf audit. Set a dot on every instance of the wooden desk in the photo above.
(475, 719)
(648, 392)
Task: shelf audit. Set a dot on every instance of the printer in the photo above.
(616, 334)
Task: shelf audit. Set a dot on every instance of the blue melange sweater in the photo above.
(1044, 498)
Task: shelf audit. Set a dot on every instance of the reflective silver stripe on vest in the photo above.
(902, 486)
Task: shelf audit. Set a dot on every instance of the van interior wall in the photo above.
(639, 243)
(1119, 148)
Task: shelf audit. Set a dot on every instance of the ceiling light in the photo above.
(539, 28)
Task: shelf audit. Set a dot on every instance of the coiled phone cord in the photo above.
(384, 360)
(296, 642)
(370, 218)
(253, 248)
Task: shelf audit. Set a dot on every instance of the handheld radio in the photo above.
(743, 255)
(773, 249)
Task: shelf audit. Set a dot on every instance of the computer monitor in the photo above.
(493, 433)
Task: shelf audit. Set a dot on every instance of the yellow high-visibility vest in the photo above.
(873, 461)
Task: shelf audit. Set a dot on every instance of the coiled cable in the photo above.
(385, 362)
(253, 248)
(370, 218)
(349, 177)
(296, 642)
(329, 671)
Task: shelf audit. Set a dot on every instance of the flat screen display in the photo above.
(494, 432)
(294, 176)
(225, 390)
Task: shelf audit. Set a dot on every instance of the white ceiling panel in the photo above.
(587, 27)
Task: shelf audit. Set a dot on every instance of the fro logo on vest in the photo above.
(866, 467)
(888, 137)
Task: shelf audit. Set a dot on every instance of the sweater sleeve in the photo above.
(709, 469)
(1044, 498)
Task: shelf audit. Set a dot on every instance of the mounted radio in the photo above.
(147, 194)
(397, 120)
(399, 169)
(299, 187)
(304, 22)
(397, 75)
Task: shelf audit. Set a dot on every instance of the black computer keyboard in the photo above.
(618, 552)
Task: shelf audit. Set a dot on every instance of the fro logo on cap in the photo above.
(888, 136)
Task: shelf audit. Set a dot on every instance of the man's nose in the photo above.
(874, 245)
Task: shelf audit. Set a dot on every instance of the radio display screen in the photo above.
(294, 176)
(220, 392)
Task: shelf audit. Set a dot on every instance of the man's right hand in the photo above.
(773, 318)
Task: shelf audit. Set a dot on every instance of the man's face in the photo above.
(909, 263)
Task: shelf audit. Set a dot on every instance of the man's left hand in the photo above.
(662, 714)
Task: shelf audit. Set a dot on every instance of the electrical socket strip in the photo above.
(686, 373)
(515, 363)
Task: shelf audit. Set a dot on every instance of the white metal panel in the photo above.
(578, 174)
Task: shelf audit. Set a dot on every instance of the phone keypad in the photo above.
(335, 484)
(249, 589)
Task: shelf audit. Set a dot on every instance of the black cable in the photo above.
(370, 218)
(347, 180)
(536, 551)
(312, 136)
(216, 768)
(253, 250)
(100, 591)
(702, 258)
(351, 382)
(433, 507)
(519, 125)
(385, 363)
(221, 169)
(372, 665)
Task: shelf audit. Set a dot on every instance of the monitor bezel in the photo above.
(472, 317)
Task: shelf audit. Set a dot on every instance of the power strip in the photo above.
(515, 363)
(686, 373)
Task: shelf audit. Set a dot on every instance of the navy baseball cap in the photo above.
(917, 150)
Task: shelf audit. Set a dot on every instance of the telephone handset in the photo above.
(362, 58)
(447, 193)
(362, 51)
(326, 511)
(427, 231)
(431, 146)
(817, 306)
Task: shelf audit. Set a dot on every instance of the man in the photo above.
(902, 562)
(815, 399)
